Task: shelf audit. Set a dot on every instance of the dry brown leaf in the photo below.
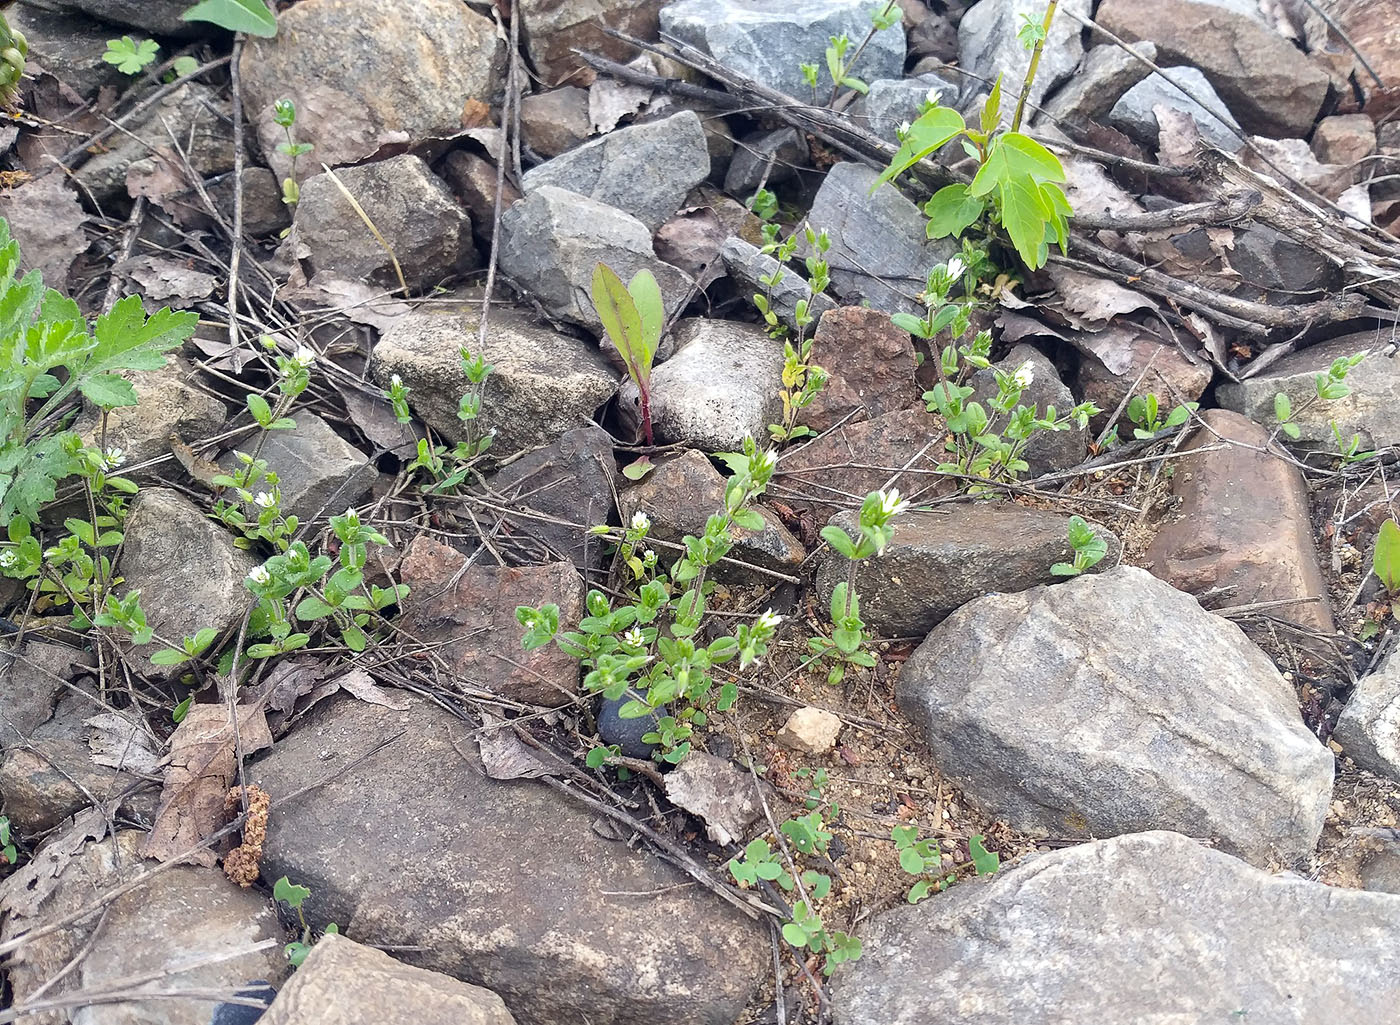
(47, 219)
(168, 279)
(119, 743)
(360, 684)
(24, 890)
(375, 417)
(202, 767)
(504, 755)
(716, 791)
(201, 469)
(1089, 300)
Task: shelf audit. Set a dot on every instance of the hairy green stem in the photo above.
(1035, 64)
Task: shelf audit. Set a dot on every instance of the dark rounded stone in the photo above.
(245, 1014)
(627, 733)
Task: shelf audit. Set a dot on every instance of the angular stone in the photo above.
(644, 170)
(499, 884)
(428, 230)
(32, 677)
(1294, 158)
(473, 181)
(342, 982)
(1274, 267)
(366, 75)
(188, 572)
(1345, 139)
(199, 119)
(1134, 114)
(554, 121)
(318, 471)
(1369, 726)
(893, 101)
(682, 493)
(941, 559)
(1108, 72)
(1046, 451)
(69, 48)
(721, 385)
(810, 731)
(880, 248)
(1112, 361)
(182, 915)
(769, 42)
(1269, 84)
(555, 28)
(1148, 921)
(1372, 409)
(841, 468)
(572, 479)
(264, 213)
(544, 382)
(1371, 27)
(1080, 709)
(1243, 523)
(988, 43)
(553, 240)
(774, 157)
(160, 16)
(470, 618)
(748, 265)
(871, 363)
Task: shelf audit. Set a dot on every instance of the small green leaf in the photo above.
(951, 211)
(839, 540)
(1283, 408)
(1386, 559)
(929, 132)
(108, 391)
(984, 862)
(289, 892)
(991, 110)
(250, 16)
(169, 657)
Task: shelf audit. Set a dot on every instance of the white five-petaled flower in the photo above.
(891, 504)
(260, 575)
(1024, 375)
(640, 520)
(904, 127)
(933, 95)
(765, 460)
(352, 516)
(7, 559)
(264, 500)
(113, 458)
(395, 381)
(769, 620)
(634, 637)
(304, 356)
(956, 268)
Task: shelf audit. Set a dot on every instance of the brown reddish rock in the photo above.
(1344, 139)
(470, 616)
(1114, 358)
(473, 180)
(1242, 523)
(554, 121)
(871, 363)
(838, 470)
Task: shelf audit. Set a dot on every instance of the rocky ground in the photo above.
(1185, 759)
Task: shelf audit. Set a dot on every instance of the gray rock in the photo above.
(768, 42)
(502, 884)
(168, 403)
(681, 494)
(160, 16)
(1274, 267)
(747, 264)
(893, 101)
(1372, 409)
(1081, 709)
(1152, 925)
(186, 567)
(553, 29)
(1047, 451)
(429, 231)
(1133, 114)
(553, 239)
(1108, 72)
(68, 47)
(342, 982)
(33, 674)
(554, 121)
(264, 213)
(473, 181)
(879, 246)
(572, 479)
(773, 157)
(941, 559)
(199, 119)
(156, 929)
(721, 385)
(1269, 85)
(318, 471)
(1369, 726)
(544, 382)
(366, 75)
(645, 170)
(987, 43)
(467, 612)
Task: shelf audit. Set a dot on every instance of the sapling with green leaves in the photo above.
(130, 56)
(803, 379)
(633, 316)
(294, 896)
(1385, 560)
(882, 16)
(1145, 412)
(284, 113)
(1088, 546)
(924, 858)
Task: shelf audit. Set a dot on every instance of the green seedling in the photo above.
(1089, 549)
(129, 56)
(294, 896)
(633, 315)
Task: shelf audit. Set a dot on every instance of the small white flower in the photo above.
(956, 268)
(640, 521)
(1024, 375)
(113, 458)
(634, 637)
(7, 559)
(904, 127)
(352, 516)
(304, 356)
(260, 575)
(769, 620)
(891, 504)
(933, 95)
(395, 381)
(765, 460)
(264, 500)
